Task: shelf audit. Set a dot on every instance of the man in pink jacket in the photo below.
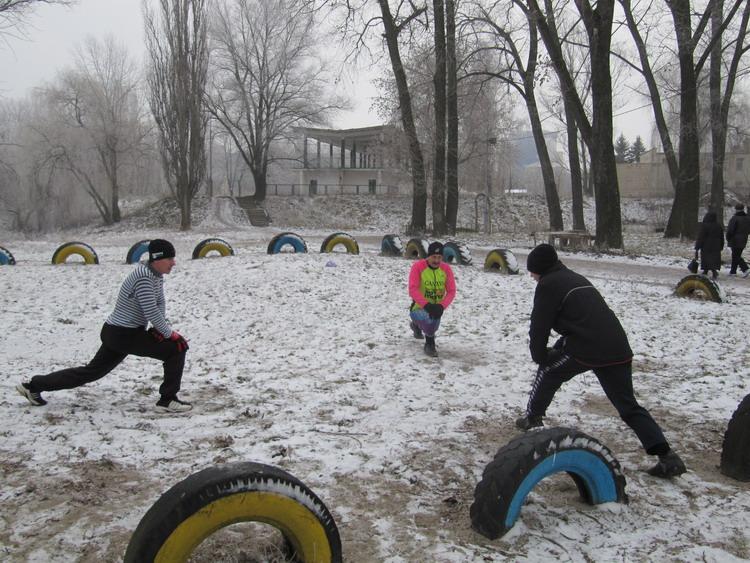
(432, 288)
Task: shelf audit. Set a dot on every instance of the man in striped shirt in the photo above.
(126, 331)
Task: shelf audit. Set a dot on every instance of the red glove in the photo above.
(178, 339)
(156, 335)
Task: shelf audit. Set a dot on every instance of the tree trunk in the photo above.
(576, 185)
(419, 184)
(548, 174)
(451, 207)
(261, 185)
(683, 219)
(438, 81)
(718, 130)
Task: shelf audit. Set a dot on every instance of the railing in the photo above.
(330, 189)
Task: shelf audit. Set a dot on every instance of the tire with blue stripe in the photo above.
(456, 253)
(221, 246)
(6, 258)
(528, 459)
(502, 261)
(281, 240)
(391, 246)
(700, 287)
(82, 249)
(416, 248)
(735, 451)
(343, 239)
(137, 251)
(219, 496)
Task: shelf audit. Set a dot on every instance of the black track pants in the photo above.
(737, 260)
(617, 382)
(117, 343)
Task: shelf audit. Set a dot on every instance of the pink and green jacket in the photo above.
(431, 286)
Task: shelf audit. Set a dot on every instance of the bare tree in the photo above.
(178, 49)
(266, 77)
(13, 13)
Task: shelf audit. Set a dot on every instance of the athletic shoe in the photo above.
(416, 330)
(669, 465)
(528, 422)
(33, 397)
(173, 405)
(746, 273)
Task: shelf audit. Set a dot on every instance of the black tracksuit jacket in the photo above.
(567, 303)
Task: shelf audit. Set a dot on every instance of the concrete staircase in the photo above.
(255, 212)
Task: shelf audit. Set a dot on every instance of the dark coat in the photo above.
(710, 242)
(738, 229)
(567, 302)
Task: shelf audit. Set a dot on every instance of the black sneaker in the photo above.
(528, 422)
(416, 330)
(430, 349)
(173, 405)
(33, 397)
(669, 465)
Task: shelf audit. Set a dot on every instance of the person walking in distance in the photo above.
(592, 338)
(432, 289)
(737, 231)
(140, 302)
(710, 242)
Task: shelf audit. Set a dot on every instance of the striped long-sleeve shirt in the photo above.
(141, 301)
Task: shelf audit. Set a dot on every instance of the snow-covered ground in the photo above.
(305, 361)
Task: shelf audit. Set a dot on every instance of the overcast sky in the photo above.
(54, 32)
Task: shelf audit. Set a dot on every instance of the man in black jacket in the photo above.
(592, 338)
(737, 231)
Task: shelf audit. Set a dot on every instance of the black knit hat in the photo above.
(541, 259)
(739, 207)
(435, 248)
(160, 248)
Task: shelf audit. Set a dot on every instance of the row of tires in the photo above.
(219, 496)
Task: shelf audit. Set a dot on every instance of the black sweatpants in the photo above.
(117, 343)
(737, 260)
(617, 382)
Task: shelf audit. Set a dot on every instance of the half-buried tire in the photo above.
(281, 240)
(456, 253)
(82, 249)
(528, 459)
(735, 453)
(220, 496)
(137, 251)
(204, 247)
(6, 258)
(696, 286)
(501, 260)
(340, 239)
(416, 248)
(391, 246)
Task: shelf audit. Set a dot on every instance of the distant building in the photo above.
(367, 160)
(650, 178)
(525, 174)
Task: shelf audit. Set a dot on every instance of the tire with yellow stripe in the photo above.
(210, 245)
(696, 286)
(219, 496)
(416, 248)
(82, 249)
(336, 239)
(6, 258)
(501, 260)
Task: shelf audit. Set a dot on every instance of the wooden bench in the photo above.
(577, 240)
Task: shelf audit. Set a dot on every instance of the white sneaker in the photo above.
(175, 405)
(746, 273)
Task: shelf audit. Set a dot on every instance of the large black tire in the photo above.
(391, 246)
(735, 452)
(281, 240)
(528, 459)
(344, 239)
(697, 286)
(6, 258)
(456, 253)
(221, 246)
(416, 248)
(64, 251)
(223, 495)
(501, 260)
(137, 251)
